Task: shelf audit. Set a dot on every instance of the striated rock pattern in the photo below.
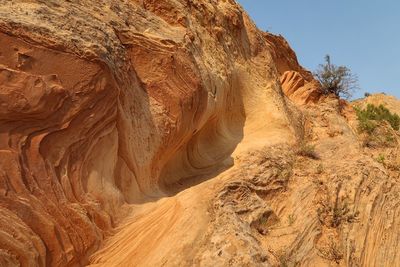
(162, 133)
(109, 103)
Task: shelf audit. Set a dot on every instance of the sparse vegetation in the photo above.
(340, 213)
(380, 138)
(307, 150)
(381, 159)
(337, 80)
(336, 211)
(370, 117)
(367, 126)
(390, 139)
(332, 252)
(372, 120)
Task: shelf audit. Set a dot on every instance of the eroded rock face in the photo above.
(297, 83)
(243, 213)
(161, 133)
(54, 111)
(108, 103)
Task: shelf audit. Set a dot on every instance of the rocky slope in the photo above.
(149, 133)
(388, 101)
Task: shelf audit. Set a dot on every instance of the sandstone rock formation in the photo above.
(109, 103)
(297, 83)
(158, 133)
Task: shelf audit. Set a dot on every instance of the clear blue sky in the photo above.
(363, 35)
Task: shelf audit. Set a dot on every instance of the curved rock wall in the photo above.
(109, 103)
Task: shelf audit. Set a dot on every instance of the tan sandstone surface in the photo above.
(164, 133)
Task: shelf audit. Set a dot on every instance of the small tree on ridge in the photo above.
(337, 80)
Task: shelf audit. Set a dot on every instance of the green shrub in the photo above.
(367, 126)
(381, 158)
(390, 139)
(370, 117)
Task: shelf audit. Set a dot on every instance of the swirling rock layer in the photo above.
(137, 133)
(108, 103)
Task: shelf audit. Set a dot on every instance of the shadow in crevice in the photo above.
(209, 152)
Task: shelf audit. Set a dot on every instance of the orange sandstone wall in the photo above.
(108, 103)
